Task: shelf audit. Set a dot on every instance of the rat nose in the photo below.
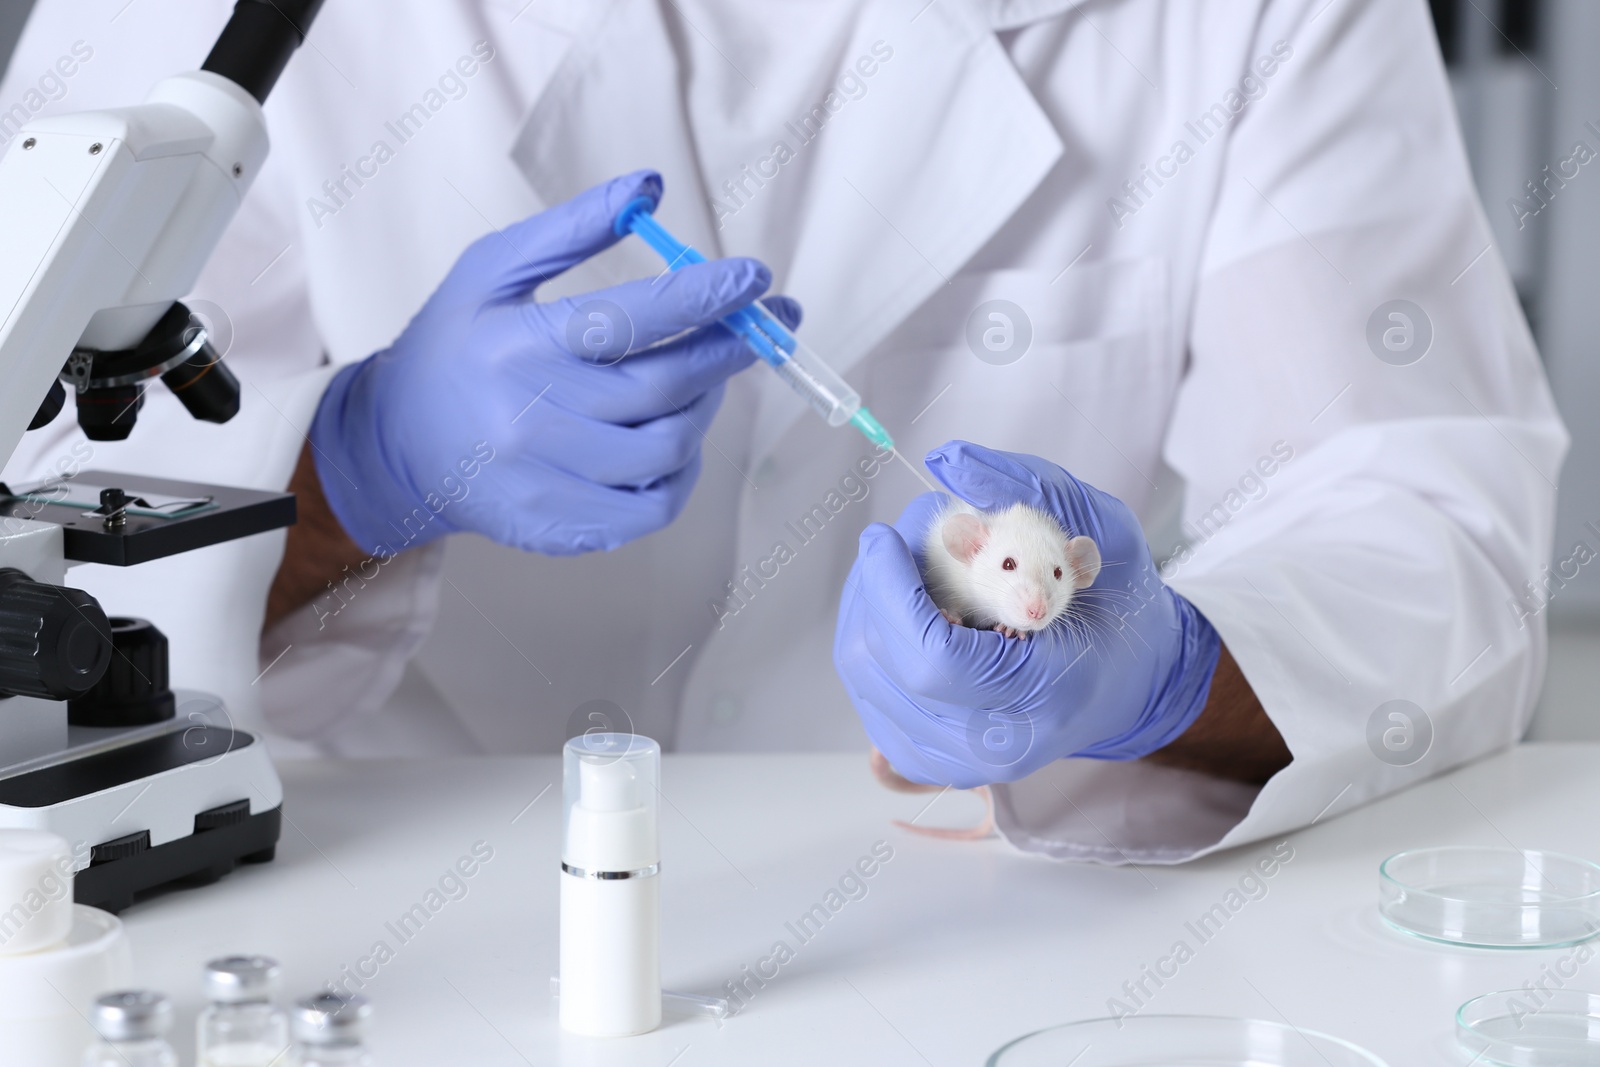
(1035, 608)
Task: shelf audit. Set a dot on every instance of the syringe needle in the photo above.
(912, 467)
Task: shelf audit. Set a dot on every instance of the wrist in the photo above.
(316, 549)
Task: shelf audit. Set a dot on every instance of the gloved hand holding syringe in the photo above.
(804, 371)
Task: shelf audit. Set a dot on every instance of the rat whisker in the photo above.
(1102, 648)
(1090, 644)
(1142, 641)
(1083, 642)
(1115, 606)
(1109, 609)
(1105, 594)
(1070, 624)
(1083, 610)
(1119, 627)
(1082, 613)
(1107, 590)
(1059, 630)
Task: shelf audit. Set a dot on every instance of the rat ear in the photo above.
(1083, 555)
(964, 535)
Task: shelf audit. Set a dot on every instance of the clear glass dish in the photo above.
(1180, 1041)
(1491, 897)
(1519, 1028)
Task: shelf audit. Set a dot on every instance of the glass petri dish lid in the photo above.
(1531, 1028)
(1179, 1041)
(1490, 897)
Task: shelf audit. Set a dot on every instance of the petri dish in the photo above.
(1180, 1041)
(1491, 897)
(1538, 1028)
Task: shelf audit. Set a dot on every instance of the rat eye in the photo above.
(1058, 574)
(1009, 564)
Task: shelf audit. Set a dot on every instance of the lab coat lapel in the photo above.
(905, 184)
(614, 106)
(897, 187)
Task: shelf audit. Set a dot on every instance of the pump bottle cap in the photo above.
(610, 798)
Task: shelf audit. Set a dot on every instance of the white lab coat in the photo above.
(1359, 531)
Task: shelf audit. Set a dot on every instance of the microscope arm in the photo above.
(112, 214)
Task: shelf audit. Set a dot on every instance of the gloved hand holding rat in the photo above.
(1124, 671)
(581, 418)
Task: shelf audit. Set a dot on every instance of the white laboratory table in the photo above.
(955, 948)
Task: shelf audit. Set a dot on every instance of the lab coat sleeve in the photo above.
(344, 653)
(1364, 513)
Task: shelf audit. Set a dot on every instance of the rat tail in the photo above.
(890, 778)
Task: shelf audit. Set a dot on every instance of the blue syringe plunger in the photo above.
(801, 368)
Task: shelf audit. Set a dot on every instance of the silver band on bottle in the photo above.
(579, 872)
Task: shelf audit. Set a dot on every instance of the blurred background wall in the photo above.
(12, 14)
(1528, 91)
(1527, 87)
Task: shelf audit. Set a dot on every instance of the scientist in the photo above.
(1210, 278)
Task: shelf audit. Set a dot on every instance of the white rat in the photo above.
(1014, 570)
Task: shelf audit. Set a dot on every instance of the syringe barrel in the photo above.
(819, 385)
(803, 370)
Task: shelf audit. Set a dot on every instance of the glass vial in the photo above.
(241, 1026)
(330, 1031)
(133, 1031)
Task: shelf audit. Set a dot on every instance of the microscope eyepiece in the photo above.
(258, 40)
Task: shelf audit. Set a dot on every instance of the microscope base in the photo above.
(199, 859)
(176, 804)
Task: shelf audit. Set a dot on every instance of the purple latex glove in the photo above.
(949, 705)
(558, 427)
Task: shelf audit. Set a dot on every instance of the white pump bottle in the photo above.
(610, 886)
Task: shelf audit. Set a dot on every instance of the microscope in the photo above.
(110, 217)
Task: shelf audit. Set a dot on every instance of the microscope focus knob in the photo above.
(134, 690)
(55, 642)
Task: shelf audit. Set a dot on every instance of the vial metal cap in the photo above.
(135, 1015)
(330, 1019)
(242, 979)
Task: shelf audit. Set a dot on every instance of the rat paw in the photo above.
(950, 617)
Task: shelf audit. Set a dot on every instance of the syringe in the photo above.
(804, 371)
